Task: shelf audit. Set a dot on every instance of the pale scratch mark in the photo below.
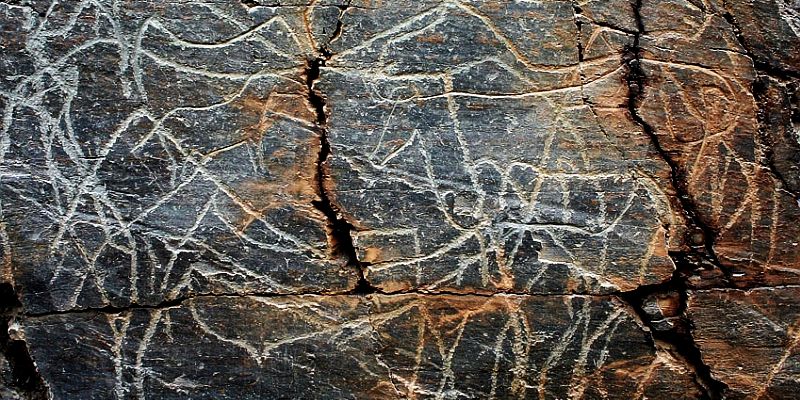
(762, 390)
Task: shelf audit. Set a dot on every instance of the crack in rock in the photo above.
(339, 238)
(427, 199)
(701, 238)
(26, 380)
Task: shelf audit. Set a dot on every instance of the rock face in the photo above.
(344, 346)
(432, 199)
(750, 339)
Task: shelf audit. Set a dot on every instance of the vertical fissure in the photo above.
(678, 338)
(339, 230)
(760, 66)
(337, 31)
(25, 377)
(576, 13)
(700, 238)
(761, 97)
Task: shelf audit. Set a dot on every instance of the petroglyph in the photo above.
(369, 199)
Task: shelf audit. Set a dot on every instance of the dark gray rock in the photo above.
(408, 346)
(369, 199)
(153, 151)
(488, 155)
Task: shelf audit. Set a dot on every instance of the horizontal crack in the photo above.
(172, 303)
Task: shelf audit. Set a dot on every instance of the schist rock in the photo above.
(750, 339)
(447, 199)
(150, 159)
(387, 347)
(518, 167)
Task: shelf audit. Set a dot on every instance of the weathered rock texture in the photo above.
(400, 199)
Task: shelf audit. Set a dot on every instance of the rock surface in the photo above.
(750, 339)
(432, 199)
(384, 347)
